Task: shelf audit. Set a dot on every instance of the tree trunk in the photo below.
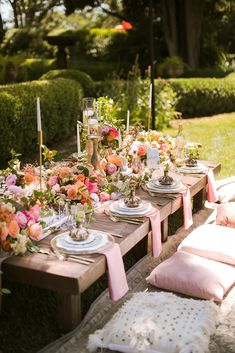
(182, 23)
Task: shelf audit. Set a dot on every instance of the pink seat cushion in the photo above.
(193, 275)
(211, 241)
(226, 215)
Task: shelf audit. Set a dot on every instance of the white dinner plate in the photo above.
(115, 209)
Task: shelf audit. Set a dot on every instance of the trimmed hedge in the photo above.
(60, 108)
(81, 77)
(203, 96)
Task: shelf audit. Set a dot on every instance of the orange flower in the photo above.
(29, 178)
(64, 171)
(81, 177)
(114, 159)
(142, 150)
(6, 245)
(3, 232)
(13, 228)
(72, 192)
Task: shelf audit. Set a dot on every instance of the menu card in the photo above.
(153, 158)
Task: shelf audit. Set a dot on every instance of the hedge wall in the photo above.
(84, 79)
(203, 96)
(60, 108)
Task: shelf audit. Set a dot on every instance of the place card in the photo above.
(153, 158)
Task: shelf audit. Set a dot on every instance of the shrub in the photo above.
(36, 67)
(204, 96)
(60, 108)
(81, 77)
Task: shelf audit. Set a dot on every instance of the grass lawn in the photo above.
(217, 136)
(28, 319)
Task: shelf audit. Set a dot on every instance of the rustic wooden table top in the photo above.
(48, 272)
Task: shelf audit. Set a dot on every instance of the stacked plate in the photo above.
(197, 169)
(95, 242)
(155, 186)
(119, 207)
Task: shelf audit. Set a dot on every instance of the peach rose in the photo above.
(81, 177)
(29, 178)
(6, 245)
(72, 192)
(34, 230)
(142, 150)
(4, 232)
(13, 228)
(114, 159)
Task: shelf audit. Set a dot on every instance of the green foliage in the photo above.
(36, 67)
(165, 105)
(172, 66)
(203, 96)
(60, 108)
(81, 77)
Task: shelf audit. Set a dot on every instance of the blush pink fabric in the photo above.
(187, 207)
(211, 241)
(226, 214)
(156, 232)
(193, 275)
(116, 272)
(212, 195)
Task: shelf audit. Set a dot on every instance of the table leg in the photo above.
(164, 229)
(69, 311)
(199, 199)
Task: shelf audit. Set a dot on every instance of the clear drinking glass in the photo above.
(88, 109)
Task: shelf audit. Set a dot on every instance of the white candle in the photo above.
(119, 139)
(127, 122)
(39, 122)
(78, 140)
(150, 96)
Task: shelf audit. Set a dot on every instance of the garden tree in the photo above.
(28, 13)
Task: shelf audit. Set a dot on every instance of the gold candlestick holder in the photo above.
(148, 119)
(40, 142)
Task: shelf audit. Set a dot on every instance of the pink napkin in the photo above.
(116, 272)
(156, 232)
(187, 208)
(212, 192)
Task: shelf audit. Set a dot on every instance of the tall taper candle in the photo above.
(78, 140)
(39, 122)
(119, 139)
(128, 122)
(150, 96)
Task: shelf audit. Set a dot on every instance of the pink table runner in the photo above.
(116, 272)
(156, 232)
(187, 208)
(212, 192)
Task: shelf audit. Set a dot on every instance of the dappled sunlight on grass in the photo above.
(217, 136)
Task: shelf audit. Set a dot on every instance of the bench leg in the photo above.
(69, 311)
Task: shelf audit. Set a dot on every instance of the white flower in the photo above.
(19, 246)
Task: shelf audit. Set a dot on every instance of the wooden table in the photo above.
(69, 279)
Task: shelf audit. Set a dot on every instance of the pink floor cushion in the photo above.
(226, 189)
(212, 241)
(226, 215)
(193, 275)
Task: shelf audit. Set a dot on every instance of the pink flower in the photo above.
(104, 196)
(33, 213)
(111, 168)
(114, 196)
(56, 188)
(21, 219)
(15, 189)
(53, 180)
(104, 129)
(92, 187)
(11, 180)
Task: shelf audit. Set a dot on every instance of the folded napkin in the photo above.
(116, 272)
(187, 208)
(154, 217)
(212, 195)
